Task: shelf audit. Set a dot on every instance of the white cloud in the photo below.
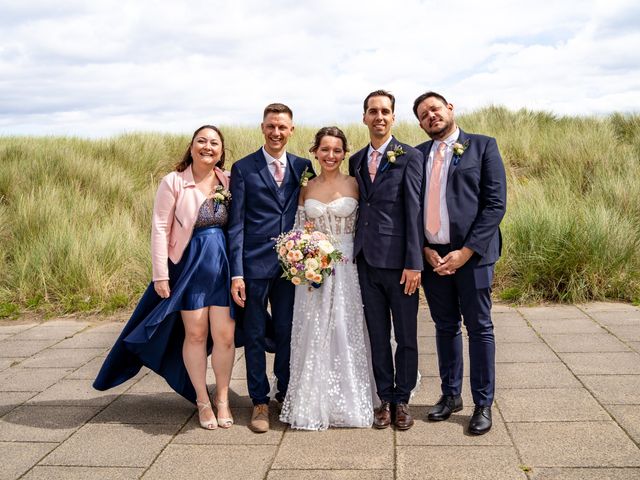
(107, 67)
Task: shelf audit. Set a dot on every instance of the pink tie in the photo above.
(373, 164)
(433, 198)
(278, 176)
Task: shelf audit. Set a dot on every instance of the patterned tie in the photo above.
(373, 164)
(433, 198)
(278, 176)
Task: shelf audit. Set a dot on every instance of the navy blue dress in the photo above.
(154, 334)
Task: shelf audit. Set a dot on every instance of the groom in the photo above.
(264, 199)
(387, 248)
(465, 200)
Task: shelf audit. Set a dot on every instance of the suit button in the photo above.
(368, 204)
(366, 223)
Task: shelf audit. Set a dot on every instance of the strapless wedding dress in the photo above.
(331, 382)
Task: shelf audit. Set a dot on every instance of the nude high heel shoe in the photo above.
(224, 422)
(209, 424)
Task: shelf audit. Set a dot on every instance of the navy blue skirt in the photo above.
(154, 334)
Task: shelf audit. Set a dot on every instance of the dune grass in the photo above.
(75, 213)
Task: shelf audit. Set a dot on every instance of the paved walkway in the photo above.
(567, 407)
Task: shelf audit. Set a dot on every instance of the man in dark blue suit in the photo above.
(388, 251)
(264, 190)
(465, 200)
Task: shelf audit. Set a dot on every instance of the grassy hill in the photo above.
(75, 214)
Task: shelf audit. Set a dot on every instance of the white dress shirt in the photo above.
(380, 150)
(270, 160)
(442, 236)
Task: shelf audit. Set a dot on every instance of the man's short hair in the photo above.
(277, 108)
(381, 93)
(423, 97)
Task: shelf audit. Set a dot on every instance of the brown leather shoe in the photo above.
(404, 420)
(260, 418)
(382, 415)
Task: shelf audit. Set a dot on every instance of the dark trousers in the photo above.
(385, 302)
(279, 294)
(463, 296)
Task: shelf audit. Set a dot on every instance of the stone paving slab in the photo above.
(51, 331)
(539, 375)
(88, 371)
(7, 362)
(224, 463)
(19, 457)
(62, 358)
(83, 473)
(76, 392)
(575, 343)
(23, 348)
(43, 423)
(11, 400)
(347, 448)
(30, 379)
(549, 405)
(443, 462)
(516, 335)
(614, 389)
(238, 434)
(12, 329)
(103, 340)
(585, 474)
(112, 446)
(546, 312)
(164, 408)
(628, 417)
(452, 432)
(330, 475)
(574, 444)
(626, 333)
(517, 353)
(609, 363)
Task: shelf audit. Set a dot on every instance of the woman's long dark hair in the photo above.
(188, 160)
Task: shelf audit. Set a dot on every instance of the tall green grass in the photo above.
(75, 214)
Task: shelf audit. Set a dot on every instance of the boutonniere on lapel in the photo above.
(221, 195)
(305, 177)
(392, 156)
(458, 150)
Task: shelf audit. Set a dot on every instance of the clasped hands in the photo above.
(448, 264)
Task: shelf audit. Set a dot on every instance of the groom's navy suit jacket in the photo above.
(476, 196)
(389, 232)
(260, 211)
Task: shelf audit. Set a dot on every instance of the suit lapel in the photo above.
(265, 174)
(359, 165)
(292, 179)
(455, 160)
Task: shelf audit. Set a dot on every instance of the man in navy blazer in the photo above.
(388, 251)
(264, 198)
(465, 200)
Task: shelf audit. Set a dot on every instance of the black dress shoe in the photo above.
(382, 415)
(480, 422)
(403, 418)
(447, 405)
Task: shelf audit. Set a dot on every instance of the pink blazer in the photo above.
(174, 214)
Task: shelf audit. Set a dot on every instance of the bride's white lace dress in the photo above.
(331, 379)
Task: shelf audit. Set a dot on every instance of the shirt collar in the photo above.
(382, 148)
(450, 140)
(270, 159)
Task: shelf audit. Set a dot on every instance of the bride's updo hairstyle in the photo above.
(329, 132)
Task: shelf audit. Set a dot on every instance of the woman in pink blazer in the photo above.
(187, 306)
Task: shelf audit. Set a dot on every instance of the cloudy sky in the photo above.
(105, 67)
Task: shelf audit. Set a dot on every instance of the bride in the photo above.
(331, 383)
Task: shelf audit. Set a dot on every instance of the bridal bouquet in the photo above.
(306, 256)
